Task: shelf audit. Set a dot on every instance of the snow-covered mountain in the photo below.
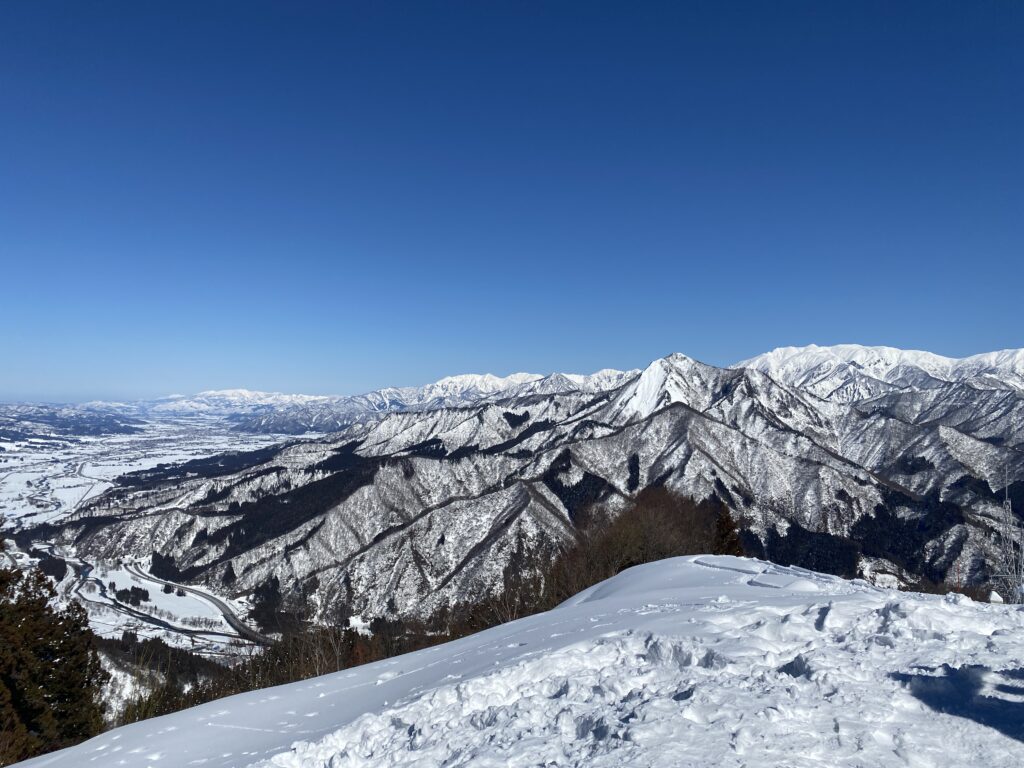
(332, 414)
(699, 661)
(444, 500)
(25, 421)
(850, 372)
(276, 412)
(229, 402)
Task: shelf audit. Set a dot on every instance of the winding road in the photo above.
(83, 574)
(137, 614)
(243, 629)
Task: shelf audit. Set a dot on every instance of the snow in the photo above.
(230, 401)
(486, 382)
(687, 662)
(673, 379)
(171, 606)
(796, 365)
(779, 453)
(876, 359)
(448, 391)
(44, 481)
(184, 620)
(123, 686)
(273, 411)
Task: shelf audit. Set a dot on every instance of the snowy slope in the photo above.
(848, 372)
(702, 661)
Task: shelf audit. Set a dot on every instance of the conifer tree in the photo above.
(727, 538)
(50, 673)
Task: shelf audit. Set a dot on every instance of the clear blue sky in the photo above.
(334, 197)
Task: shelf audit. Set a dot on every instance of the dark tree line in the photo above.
(50, 675)
(135, 596)
(657, 524)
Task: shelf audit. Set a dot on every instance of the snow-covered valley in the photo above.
(43, 479)
(686, 662)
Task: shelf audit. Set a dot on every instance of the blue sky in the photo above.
(334, 197)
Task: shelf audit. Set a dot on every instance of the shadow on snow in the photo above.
(972, 692)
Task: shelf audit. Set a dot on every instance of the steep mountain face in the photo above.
(850, 372)
(416, 509)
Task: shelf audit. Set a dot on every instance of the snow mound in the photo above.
(687, 662)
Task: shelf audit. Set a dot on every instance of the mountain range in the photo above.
(849, 372)
(280, 413)
(844, 373)
(441, 492)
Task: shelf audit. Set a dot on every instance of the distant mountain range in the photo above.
(847, 459)
(27, 421)
(276, 412)
(844, 373)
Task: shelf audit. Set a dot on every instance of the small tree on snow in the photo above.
(1009, 578)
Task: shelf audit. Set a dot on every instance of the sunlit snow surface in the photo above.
(705, 661)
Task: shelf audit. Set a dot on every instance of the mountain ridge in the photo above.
(851, 372)
(442, 499)
(845, 373)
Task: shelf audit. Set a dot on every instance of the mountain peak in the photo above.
(485, 382)
(675, 378)
(854, 371)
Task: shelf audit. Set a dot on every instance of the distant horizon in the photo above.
(338, 197)
(255, 390)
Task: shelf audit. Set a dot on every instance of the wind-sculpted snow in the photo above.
(686, 662)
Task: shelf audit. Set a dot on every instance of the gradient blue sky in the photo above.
(334, 197)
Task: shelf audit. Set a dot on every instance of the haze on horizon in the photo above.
(330, 199)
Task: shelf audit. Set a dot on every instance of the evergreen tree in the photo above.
(50, 674)
(727, 536)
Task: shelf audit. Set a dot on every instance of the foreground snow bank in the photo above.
(691, 661)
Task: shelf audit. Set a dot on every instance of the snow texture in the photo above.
(687, 662)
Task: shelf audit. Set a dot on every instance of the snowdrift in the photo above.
(696, 661)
